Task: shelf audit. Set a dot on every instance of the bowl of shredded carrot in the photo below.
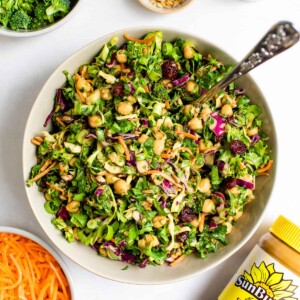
(30, 269)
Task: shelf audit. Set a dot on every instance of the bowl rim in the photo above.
(11, 33)
(162, 10)
(244, 239)
(35, 238)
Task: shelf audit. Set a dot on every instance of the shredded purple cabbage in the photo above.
(182, 80)
(144, 263)
(245, 184)
(112, 62)
(212, 225)
(220, 196)
(99, 192)
(60, 100)
(49, 117)
(167, 187)
(120, 254)
(93, 135)
(125, 136)
(239, 91)
(219, 126)
(132, 89)
(255, 138)
(63, 213)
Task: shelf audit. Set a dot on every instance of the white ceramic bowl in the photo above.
(47, 247)
(162, 10)
(85, 256)
(30, 33)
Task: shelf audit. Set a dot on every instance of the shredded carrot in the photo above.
(123, 144)
(266, 168)
(184, 149)
(82, 98)
(40, 175)
(46, 165)
(160, 173)
(167, 104)
(165, 155)
(201, 221)
(33, 274)
(177, 260)
(144, 41)
(145, 86)
(60, 122)
(188, 135)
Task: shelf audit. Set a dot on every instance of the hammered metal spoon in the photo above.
(279, 38)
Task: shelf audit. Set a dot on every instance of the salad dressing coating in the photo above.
(135, 171)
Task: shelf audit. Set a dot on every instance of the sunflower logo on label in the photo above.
(265, 283)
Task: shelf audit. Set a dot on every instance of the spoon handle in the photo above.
(279, 38)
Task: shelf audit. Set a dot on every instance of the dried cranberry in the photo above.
(182, 237)
(118, 89)
(169, 69)
(238, 147)
(187, 215)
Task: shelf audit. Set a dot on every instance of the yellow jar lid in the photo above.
(287, 231)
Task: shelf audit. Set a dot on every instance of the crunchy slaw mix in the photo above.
(132, 169)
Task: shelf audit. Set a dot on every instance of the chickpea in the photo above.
(168, 122)
(195, 222)
(226, 110)
(159, 146)
(121, 187)
(253, 131)
(93, 97)
(147, 205)
(238, 215)
(73, 206)
(188, 52)
(202, 146)
(95, 121)
(142, 244)
(125, 108)
(142, 166)
(234, 191)
(160, 135)
(105, 94)
(82, 85)
(229, 227)
(188, 110)
(121, 56)
(151, 239)
(131, 99)
(159, 221)
(195, 124)
(208, 206)
(192, 87)
(205, 113)
(205, 186)
(143, 138)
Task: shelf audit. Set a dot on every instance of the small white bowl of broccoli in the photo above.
(24, 18)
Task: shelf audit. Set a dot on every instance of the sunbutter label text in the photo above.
(257, 291)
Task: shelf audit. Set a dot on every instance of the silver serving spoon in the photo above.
(279, 38)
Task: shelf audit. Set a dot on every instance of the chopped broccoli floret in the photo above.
(4, 17)
(19, 20)
(58, 6)
(32, 14)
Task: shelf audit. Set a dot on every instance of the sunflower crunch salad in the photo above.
(132, 169)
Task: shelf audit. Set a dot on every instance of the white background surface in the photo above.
(235, 26)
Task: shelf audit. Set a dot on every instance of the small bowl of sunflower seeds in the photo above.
(165, 6)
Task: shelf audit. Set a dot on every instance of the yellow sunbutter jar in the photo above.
(272, 269)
